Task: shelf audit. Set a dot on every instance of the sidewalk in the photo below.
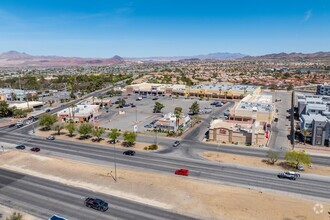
(313, 150)
(7, 121)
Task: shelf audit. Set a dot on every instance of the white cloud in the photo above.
(308, 15)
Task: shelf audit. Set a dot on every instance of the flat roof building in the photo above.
(232, 91)
(27, 105)
(249, 132)
(80, 113)
(258, 107)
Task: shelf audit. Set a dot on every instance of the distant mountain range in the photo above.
(18, 59)
(14, 58)
(211, 56)
(293, 56)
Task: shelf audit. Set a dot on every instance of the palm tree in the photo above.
(220, 90)
(226, 93)
(305, 133)
(72, 112)
(101, 97)
(245, 91)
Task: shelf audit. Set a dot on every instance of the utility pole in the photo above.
(114, 158)
(136, 121)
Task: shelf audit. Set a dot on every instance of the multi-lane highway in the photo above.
(43, 198)
(237, 175)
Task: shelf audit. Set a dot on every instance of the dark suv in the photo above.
(97, 204)
(129, 152)
(20, 147)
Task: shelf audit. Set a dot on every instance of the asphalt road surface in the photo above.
(315, 186)
(43, 198)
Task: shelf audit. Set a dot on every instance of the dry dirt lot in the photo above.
(201, 199)
(64, 136)
(6, 212)
(259, 162)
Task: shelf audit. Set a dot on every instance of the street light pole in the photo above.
(114, 158)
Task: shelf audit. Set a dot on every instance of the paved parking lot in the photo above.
(143, 114)
(281, 129)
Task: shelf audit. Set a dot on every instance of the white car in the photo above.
(50, 138)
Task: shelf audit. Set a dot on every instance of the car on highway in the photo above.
(20, 147)
(176, 143)
(97, 204)
(156, 98)
(148, 126)
(11, 125)
(47, 110)
(292, 173)
(57, 217)
(35, 149)
(19, 125)
(50, 138)
(287, 176)
(129, 152)
(182, 172)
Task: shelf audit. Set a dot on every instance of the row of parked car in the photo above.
(217, 103)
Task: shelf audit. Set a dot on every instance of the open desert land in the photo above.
(260, 162)
(186, 195)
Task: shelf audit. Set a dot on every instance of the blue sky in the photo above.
(139, 28)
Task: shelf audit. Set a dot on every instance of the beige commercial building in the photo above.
(257, 107)
(233, 132)
(230, 91)
(27, 105)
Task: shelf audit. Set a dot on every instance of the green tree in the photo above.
(272, 156)
(47, 120)
(71, 127)
(97, 132)
(290, 87)
(121, 102)
(18, 113)
(129, 137)
(178, 111)
(51, 102)
(305, 132)
(226, 93)
(84, 129)
(158, 107)
(295, 158)
(58, 126)
(194, 108)
(15, 216)
(4, 109)
(114, 134)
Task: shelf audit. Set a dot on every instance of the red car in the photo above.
(183, 172)
(35, 149)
